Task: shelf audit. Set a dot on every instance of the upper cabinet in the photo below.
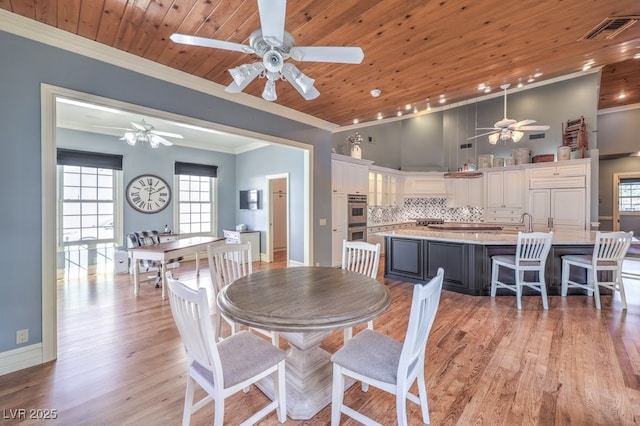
(349, 175)
(464, 192)
(576, 168)
(427, 184)
(385, 187)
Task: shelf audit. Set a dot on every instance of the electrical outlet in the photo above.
(22, 336)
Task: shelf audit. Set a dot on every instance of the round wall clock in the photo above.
(148, 193)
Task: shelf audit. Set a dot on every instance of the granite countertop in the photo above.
(374, 225)
(488, 238)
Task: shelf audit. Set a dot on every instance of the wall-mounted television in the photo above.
(250, 199)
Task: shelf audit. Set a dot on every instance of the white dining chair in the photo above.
(609, 251)
(531, 256)
(222, 369)
(364, 258)
(378, 360)
(227, 263)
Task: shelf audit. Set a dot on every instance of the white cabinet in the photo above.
(384, 188)
(573, 169)
(338, 226)
(349, 176)
(424, 185)
(558, 209)
(504, 203)
(464, 192)
(253, 237)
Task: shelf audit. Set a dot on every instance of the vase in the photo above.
(356, 152)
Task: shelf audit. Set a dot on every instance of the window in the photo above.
(87, 185)
(629, 195)
(88, 204)
(196, 197)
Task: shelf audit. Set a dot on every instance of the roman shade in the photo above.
(70, 157)
(193, 169)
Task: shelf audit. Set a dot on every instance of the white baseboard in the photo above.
(18, 359)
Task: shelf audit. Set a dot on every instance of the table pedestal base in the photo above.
(309, 375)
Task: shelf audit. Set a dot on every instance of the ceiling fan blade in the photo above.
(504, 123)
(339, 54)
(114, 128)
(522, 123)
(210, 42)
(167, 134)
(302, 83)
(488, 128)
(245, 75)
(480, 135)
(272, 14)
(529, 128)
(157, 139)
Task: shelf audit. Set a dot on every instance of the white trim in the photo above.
(619, 109)
(46, 34)
(49, 215)
(20, 358)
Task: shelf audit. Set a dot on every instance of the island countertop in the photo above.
(503, 237)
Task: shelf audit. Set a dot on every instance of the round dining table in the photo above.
(305, 304)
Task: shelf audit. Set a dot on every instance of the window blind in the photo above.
(193, 169)
(71, 157)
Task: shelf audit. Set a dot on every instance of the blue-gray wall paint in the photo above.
(142, 159)
(619, 132)
(25, 65)
(252, 168)
(432, 141)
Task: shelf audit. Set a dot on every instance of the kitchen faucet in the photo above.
(530, 227)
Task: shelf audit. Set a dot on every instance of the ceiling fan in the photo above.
(507, 128)
(275, 45)
(144, 132)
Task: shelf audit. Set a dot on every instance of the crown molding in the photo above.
(46, 34)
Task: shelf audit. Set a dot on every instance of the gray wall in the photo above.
(619, 132)
(142, 158)
(25, 65)
(252, 168)
(605, 187)
(432, 141)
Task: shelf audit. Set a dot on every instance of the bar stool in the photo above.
(608, 253)
(531, 255)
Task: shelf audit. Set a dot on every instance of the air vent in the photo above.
(611, 27)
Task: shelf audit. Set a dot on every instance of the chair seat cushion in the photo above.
(587, 259)
(507, 259)
(371, 354)
(243, 355)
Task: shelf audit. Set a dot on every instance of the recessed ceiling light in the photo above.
(407, 107)
(399, 114)
(442, 99)
(482, 86)
(520, 84)
(487, 89)
(376, 92)
(622, 95)
(636, 56)
(586, 67)
(379, 116)
(355, 121)
(415, 110)
(531, 80)
(537, 75)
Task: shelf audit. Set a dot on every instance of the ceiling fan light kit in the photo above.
(275, 45)
(144, 132)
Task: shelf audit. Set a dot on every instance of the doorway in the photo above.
(278, 220)
(626, 202)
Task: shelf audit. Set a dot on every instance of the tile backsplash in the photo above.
(423, 208)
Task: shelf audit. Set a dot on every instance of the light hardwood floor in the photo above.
(121, 361)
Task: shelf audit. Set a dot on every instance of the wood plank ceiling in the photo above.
(415, 50)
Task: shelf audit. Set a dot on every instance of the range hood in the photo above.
(464, 175)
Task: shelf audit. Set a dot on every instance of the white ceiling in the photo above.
(88, 117)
